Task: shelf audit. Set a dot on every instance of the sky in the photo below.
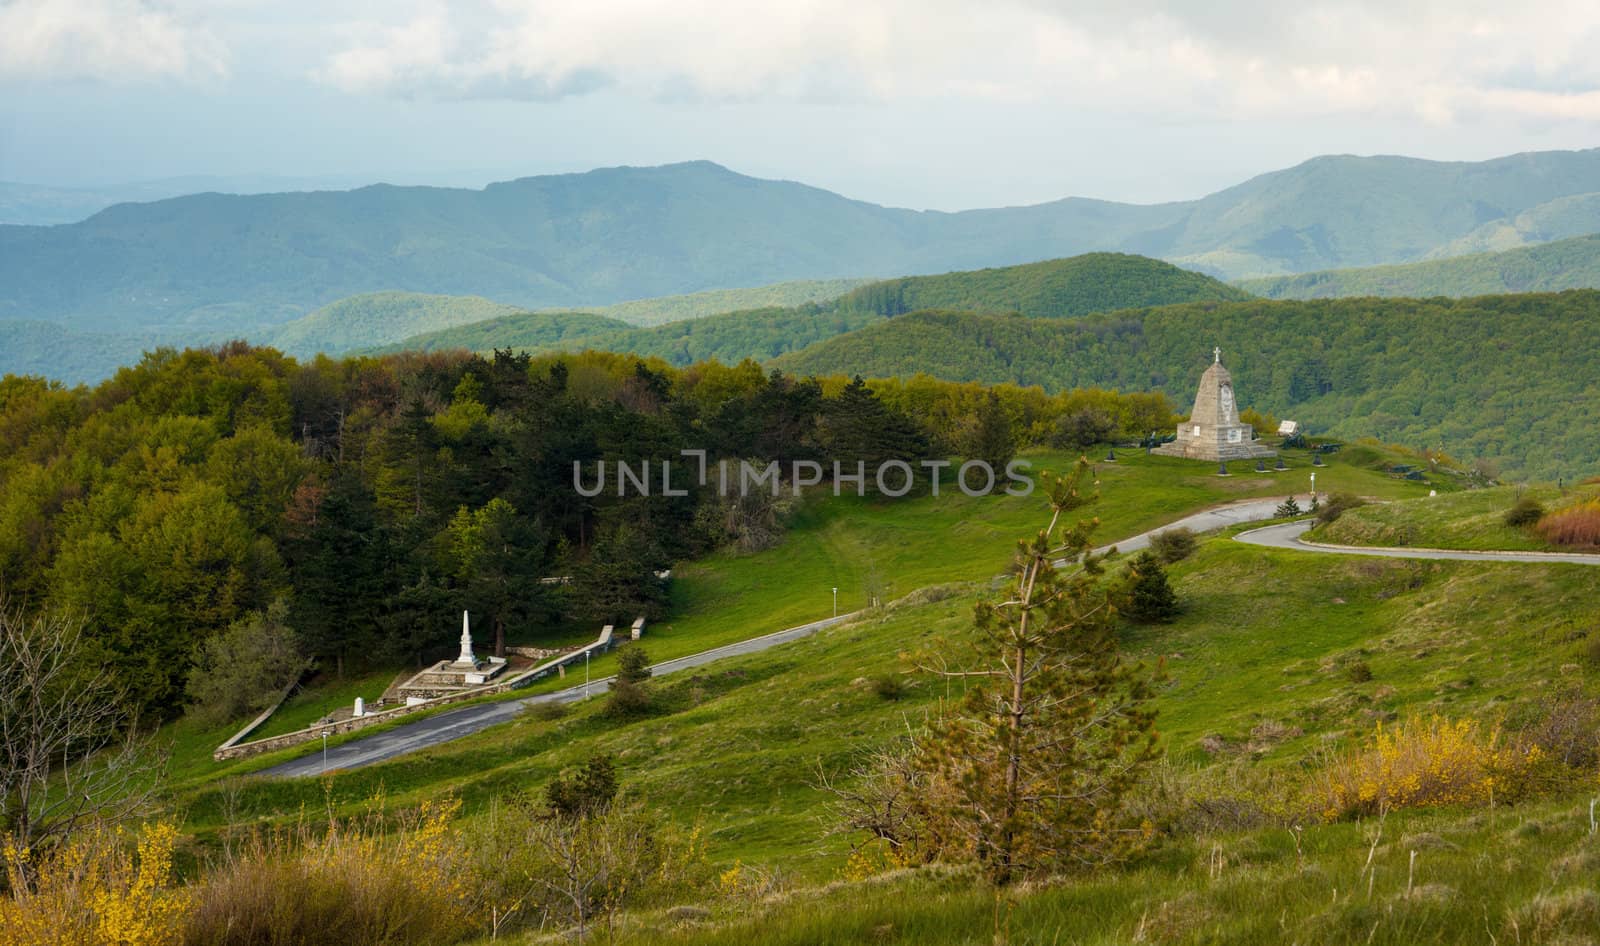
(916, 103)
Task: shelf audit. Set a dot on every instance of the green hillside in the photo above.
(1263, 681)
(1509, 379)
(1548, 267)
(378, 318)
(1092, 282)
(1558, 219)
(647, 312)
(55, 351)
(529, 330)
(1076, 286)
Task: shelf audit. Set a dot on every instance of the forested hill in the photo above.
(1093, 282)
(214, 262)
(374, 318)
(1508, 378)
(1547, 267)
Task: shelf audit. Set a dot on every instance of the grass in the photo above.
(1261, 678)
(1514, 877)
(867, 548)
(1472, 520)
(1265, 638)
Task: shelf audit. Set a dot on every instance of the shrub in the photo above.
(889, 686)
(1174, 545)
(1336, 505)
(1151, 599)
(1287, 509)
(93, 889)
(629, 695)
(362, 882)
(1423, 762)
(1524, 512)
(1577, 526)
(585, 791)
(1359, 672)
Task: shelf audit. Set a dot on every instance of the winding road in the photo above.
(1287, 535)
(453, 724)
(456, 723)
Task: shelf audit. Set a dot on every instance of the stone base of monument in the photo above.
(450, 676)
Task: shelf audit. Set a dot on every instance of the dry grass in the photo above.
(1576, 526)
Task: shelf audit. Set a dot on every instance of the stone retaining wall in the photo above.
(233, 749)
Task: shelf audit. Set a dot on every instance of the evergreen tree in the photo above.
(992, 440)
(1150, 596)
(1028, 775)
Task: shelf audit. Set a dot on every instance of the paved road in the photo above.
(453, 724)
(1287, 536)
(1220, 517)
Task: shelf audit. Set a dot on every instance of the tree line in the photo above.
(237, 501)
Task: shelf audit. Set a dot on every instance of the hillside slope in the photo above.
(1506, 378)
(1062, 288)
(238, 263)
(378, 318)
(1548, 267)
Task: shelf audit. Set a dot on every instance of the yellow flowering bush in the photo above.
(94, 891)
(1429, 761)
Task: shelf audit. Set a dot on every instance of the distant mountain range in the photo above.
(238, 263)
(1547, 267)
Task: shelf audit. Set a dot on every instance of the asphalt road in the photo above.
(1287, 536)
(453, 724)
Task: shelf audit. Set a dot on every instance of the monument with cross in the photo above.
(1213, 430)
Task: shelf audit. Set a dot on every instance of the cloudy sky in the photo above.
(921, 103)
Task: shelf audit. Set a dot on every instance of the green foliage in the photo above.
(1174, 545)
(1336, 505)
(1092, 282)
(1028, 774)
(633, 664)
(585, 791)
(379, 318)
(1548, 267)
(1502, 378)
(1287, 509)
(1151, 599)
(246, 667)
(1526, 511)
(630, 697)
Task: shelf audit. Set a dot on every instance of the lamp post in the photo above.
(1313, 487)
(586, 674)
(324, 752)
(835, 602)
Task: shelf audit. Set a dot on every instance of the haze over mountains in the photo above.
(219, 262)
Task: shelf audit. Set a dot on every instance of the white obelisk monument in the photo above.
(466, 659)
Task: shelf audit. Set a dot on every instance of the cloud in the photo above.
(103, 40)
(1431, 59)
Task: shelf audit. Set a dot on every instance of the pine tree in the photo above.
(1028, 775)
(1150, 596)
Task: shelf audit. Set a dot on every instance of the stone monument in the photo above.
(1213, 430)
(466, 661)
(448, 677)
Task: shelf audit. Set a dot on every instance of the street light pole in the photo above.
(835, 602)
(586, 674)
(324, 752)
(1313, 487)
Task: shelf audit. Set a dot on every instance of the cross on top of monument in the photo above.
(1216, 355)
